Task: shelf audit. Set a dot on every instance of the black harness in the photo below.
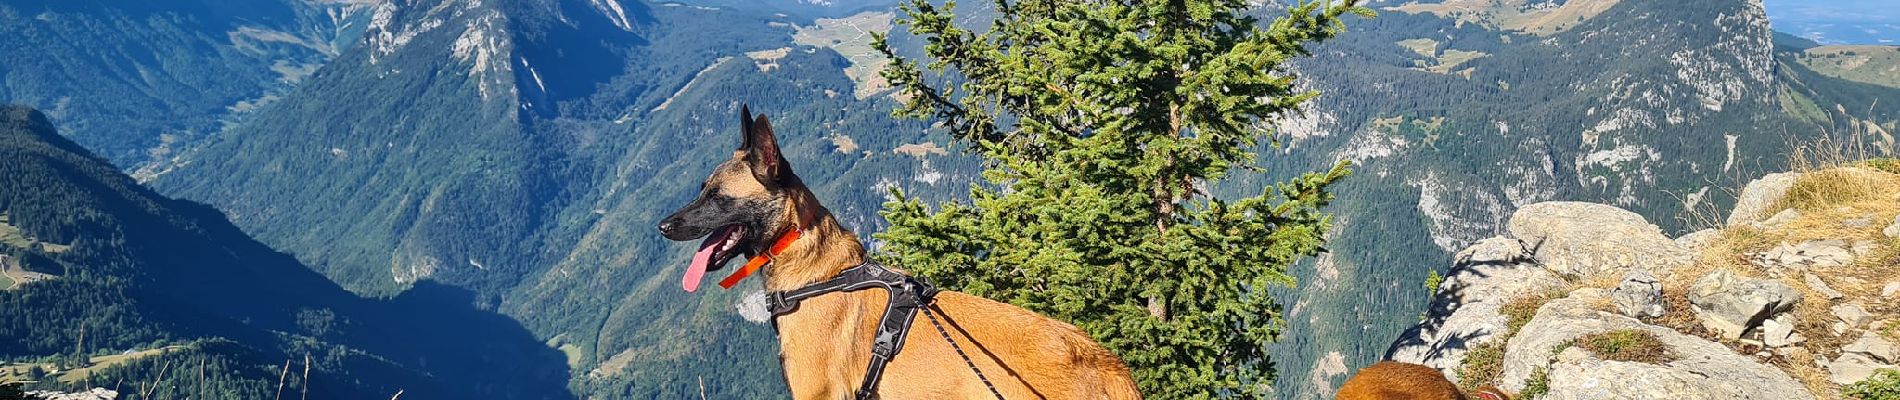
(908, 296)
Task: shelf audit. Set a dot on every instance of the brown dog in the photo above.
(753, 200)
(1392, 380)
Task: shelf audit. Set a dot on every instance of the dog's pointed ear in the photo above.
(745, 127)
(761, 149)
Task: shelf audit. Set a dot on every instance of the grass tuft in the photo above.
(1632, 345)
(1518, 311)
(1884, 385)
(1826, 189)
(1884, 164)
(1537, 386)
(1481, 366)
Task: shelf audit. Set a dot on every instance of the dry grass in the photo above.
(1481, 366)
(1519, 311)
(1836, 185)
(1634, 345)
(1483, 363)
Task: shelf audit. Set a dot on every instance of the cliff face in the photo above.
(1796, 295)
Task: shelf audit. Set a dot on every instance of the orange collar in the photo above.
(758, 261)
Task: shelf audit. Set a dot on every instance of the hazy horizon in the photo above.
(1837, 21)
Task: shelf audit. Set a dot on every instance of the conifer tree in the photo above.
(1105, 126)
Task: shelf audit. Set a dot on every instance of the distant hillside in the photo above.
(133, 284)
(524, 149)
(139, 81)
(1879, 65)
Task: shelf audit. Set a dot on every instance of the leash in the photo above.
(960, 353)
(908, 296)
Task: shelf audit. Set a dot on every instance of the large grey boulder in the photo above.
(1464, 313)
(1583, 239)
(1702, 370)
(1755, 200)
(1730, 304)
(1639, 295)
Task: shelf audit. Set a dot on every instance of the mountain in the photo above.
(516, 153)
(138, 82)
(119, 285)
(523, 150)
(1458, 113)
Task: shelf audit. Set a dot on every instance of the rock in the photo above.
(1582, 239)
(1838, 327)
(1640, 295)
(1703, 369)
(1780, 219)
(1851, 314)
(1893, 231)
(1874, 346)
(1828, 253)
(1779, 332)
(1496, 250)
(1752, 204)
(1891, 291)
(1464, 313)
(1850, 368)
(1858, 223)
(1731, 304)
(1819, 286)
(1698, 240)
(1864, 247)
(753, 308)
(94, 394)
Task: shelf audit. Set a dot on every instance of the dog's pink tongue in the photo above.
(697, 271)
(703, 259)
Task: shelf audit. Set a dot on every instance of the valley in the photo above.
(390, 182)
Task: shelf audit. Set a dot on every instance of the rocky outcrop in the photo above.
(1465, 311)
(1761, 194)
(94, 394)
(1701, 369)
(1697, 240)
(1745, 336)
(1828, 253)
(1732, 305)
(1583, 239)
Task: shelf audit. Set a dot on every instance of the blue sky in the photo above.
(1838, 21)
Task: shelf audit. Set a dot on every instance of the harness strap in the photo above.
(908, 296)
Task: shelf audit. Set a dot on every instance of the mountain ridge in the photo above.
(138, 270)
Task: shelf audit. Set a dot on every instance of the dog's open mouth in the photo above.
(718, 248)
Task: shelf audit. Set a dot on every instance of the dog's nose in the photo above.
(666, 227)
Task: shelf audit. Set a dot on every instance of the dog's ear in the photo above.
(761, 149)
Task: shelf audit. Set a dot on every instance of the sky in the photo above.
(1838, 21)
